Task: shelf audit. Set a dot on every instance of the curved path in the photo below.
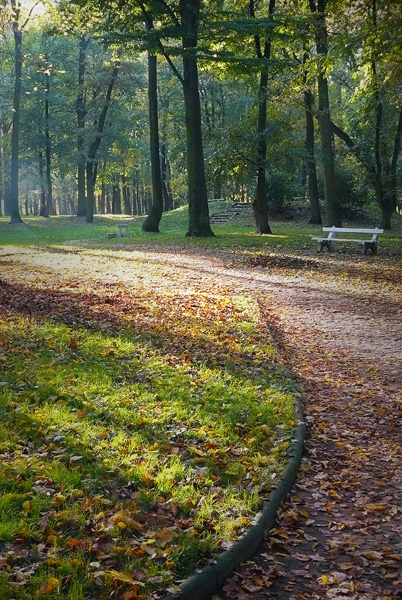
(338, 321)
(340, 535)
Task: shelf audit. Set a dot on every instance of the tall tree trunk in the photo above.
(81, 115)
(102, 199)
(315, 213)
(324, 119)
(93, 149)
(49, 186)
(151, 223)
(260, 203)
(199, 225)
(126, 196)
(15, 136)
(43, 208)
(165, 172)
(116, 200)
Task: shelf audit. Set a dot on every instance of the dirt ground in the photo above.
(338, 322)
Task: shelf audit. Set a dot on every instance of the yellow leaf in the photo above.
(324, 579)
(50, 586)
(125, 577)
(373, 555)
(164, 537)
(121, 525)
(375, 507)
(26, 506)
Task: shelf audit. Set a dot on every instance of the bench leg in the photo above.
(372, 246)
(325, 244)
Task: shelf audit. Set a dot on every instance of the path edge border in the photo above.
(206, 582)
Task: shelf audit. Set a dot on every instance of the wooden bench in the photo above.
(121, 231)
(332, 237)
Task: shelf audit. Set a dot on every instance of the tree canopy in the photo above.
(143, 106)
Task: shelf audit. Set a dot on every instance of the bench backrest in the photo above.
(352, 230)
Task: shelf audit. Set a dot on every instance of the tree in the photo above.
(81, 116)
(15, 135)
(151, 223)
(197, 188)
(91, 163)
(324, 114)
(179, 21)
(311, 171)
(260, 204)
(376, 99)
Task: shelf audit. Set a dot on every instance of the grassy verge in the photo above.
(138, 436)
(140, 427)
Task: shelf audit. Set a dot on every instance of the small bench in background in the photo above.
(120, 233)
(333, 237)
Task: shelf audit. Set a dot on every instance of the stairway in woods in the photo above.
(237, 209)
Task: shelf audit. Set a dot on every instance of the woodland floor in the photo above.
(338, 322)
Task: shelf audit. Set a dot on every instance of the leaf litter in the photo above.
(337, 321)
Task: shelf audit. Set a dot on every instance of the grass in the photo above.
(140, 427)
(138, 441)
(292, 236)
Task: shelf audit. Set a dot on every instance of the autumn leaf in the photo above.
(373, 555)
(376, 507)
(50, 586)
(124, 577)
(164, 537)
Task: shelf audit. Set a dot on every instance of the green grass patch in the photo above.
(135, 455)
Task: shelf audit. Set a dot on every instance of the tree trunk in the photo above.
(315, 213)
(15, 137)
(126, 196)
(165, 173)
(324, 120)
(116, 200)
(81, 115)
(199, 225)
(151, 223)
(91, 179)
(93, 149)
(102, 199)
(50, 205)
(43, 208)
(260, 203)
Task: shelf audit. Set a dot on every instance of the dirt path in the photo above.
(340, 535)
(339, 324)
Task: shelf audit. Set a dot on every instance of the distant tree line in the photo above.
(138, 107)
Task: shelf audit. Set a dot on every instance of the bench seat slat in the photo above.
(335, 239)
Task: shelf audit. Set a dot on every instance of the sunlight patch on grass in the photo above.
(147, 444)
